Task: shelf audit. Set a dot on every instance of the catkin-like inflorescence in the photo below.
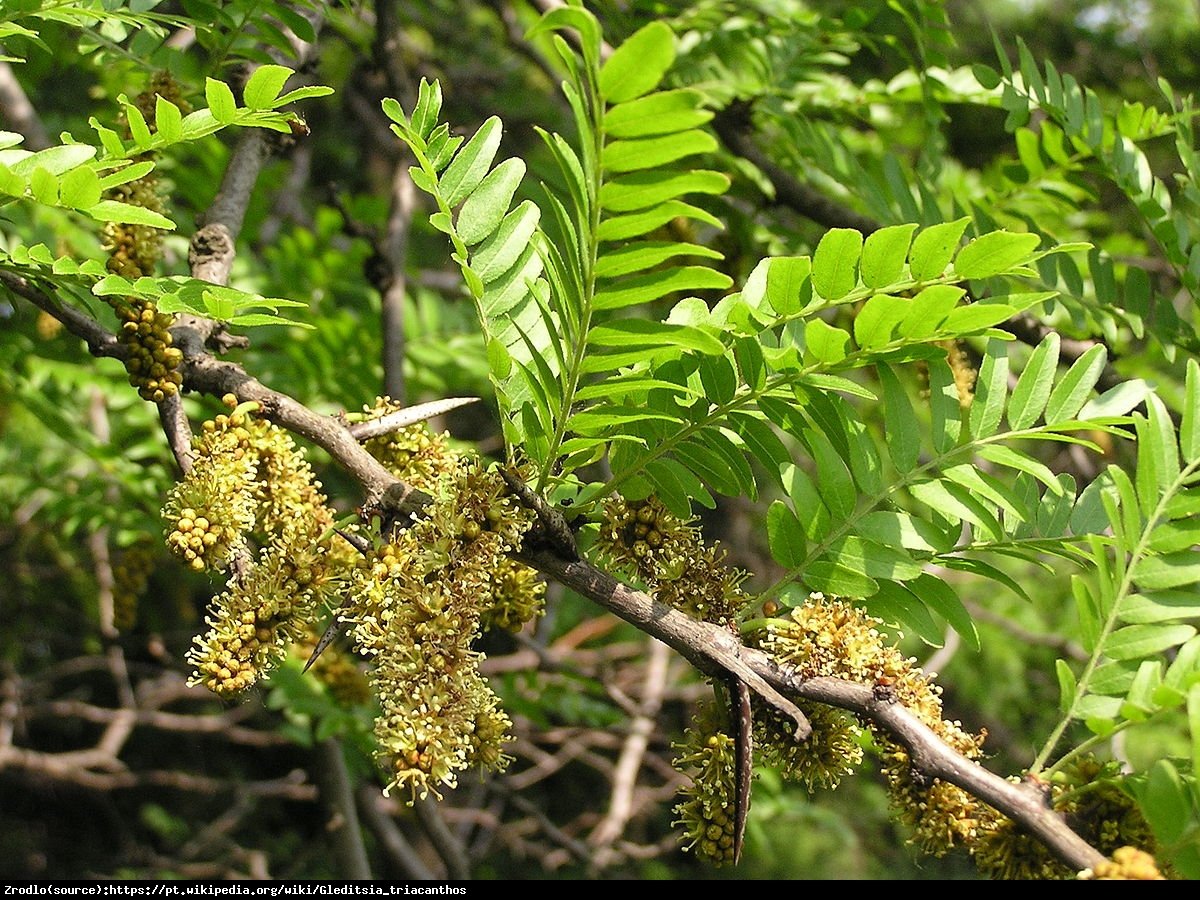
(1088, 794)
(833, 750)
(134, 251)
(412, 453)
(252, 624)
(830, 637)
(210, 511)
(670, 557)
(706, 808)
(131, 574)
(417, 604)
(518, 597)
(275, 600)
(152, 363)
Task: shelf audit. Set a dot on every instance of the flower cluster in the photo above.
(412, 453)
(417, 605)
(1089, 796)
(152, 363)
(131, 574)
(252, 624)
(670, 557)
(830, 637)
(210, 511)
(833, 750)
(134, 251)
(249, 478)
(706, 811)
(1126, 864)
(518, 597)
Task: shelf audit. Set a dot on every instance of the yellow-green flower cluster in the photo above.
(286, 494)
(134, 251)
(253, 468)
(518, 596)
(131, 574)
(210, 511)
(259, 615)
(670, 557)
(830, 753)
(152, 363)
(829, 637)
(1088, 794)
(1126, 864)
(706, 809)
(418, 602)
(412, 453)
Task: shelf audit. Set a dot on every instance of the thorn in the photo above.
(743, 720)
(357, 541)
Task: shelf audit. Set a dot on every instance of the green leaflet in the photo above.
(638, 65)
(884, 255)
(994, 254)
(933, 248)
(471, 163)
(835, 263)
(487, 205)
(641, 255)
(637, 154)
(650, 188)
(1032, 391)
(665, 112)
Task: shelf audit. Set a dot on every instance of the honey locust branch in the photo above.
(710, 648)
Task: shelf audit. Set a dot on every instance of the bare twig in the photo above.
(395, 247)
(625, 775)
(449, 848)
(389, 835)
(1025, 635)
(337, 795)
(179, 433)
(221, 725)
(18, 113)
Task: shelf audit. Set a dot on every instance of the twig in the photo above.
(714, 650)
(576, 848)
(392, 294)
(179, 433)
(337, 794)
(447, 845)
(18, 113)
(101, 342)
(389, 836)
(620, 807)
(222, 725)
(1023, 634)
(733, 126)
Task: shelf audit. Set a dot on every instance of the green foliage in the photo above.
(851, 398)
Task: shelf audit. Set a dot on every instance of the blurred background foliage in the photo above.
(83, 467)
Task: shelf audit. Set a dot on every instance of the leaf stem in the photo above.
(1135, 556)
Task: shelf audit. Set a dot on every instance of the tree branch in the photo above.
(18, 112)
(458, 867)
(712, 649)
(101, 342)
(733, 126)
(337, 794)
(389, 835)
